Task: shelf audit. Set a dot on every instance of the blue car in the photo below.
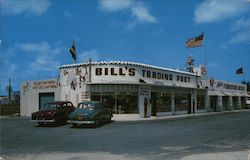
(90, 113)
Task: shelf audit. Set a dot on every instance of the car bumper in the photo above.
(81, 122)
(43, 120)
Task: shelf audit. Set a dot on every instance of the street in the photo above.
(221, 137)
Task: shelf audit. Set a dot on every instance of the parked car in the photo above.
(53, 113)
(91, 112)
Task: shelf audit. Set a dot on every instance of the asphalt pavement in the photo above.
(216, 137)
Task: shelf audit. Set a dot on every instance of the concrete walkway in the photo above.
(136, 117)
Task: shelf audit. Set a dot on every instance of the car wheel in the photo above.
(74, 125)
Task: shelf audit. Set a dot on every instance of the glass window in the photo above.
(163, 102)
(181, 102)
(200, 102)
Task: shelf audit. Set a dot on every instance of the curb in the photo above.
(139, 119)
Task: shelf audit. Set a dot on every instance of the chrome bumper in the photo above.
(43, 120)
(80, 122)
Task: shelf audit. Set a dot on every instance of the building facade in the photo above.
(135, 88)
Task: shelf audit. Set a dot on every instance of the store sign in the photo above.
(224, 85)
(121, 71)
(44, 84)
(165, 76)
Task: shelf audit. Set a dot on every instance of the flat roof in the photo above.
(125, 63)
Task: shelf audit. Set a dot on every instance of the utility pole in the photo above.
(90, 61)
(9, 89)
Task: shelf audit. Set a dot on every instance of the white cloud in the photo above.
(242, 23)
(16, 7)
(142, 14)
(240, 33)
(115, 5)
(46, 56)
(137, 9)
(93, 54)
(240, 37)
(216, 10)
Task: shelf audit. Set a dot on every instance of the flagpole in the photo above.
(74, 45)
(205, 52)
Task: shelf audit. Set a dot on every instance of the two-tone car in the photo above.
(90, 113)
(53, 113)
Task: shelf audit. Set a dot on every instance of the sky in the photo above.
(35, 35)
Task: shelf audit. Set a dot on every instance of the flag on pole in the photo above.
(72, 50)
(196, 41)
(239, 71)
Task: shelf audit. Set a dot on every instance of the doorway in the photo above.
(45, 98)
(153, 103)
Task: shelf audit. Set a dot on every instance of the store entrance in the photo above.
(153, 103)
(213, 101)
(45, 98)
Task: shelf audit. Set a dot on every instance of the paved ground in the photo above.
(214, 137)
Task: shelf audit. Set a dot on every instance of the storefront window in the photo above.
(127, 103)
(225, 103)
(181, 102)
(120, 103)
(163, 102)
(200, 102)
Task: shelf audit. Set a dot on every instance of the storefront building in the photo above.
(135, 88)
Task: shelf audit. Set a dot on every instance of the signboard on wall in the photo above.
(44, 84)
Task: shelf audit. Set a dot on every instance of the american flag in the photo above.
(196, 41)
(72, 50)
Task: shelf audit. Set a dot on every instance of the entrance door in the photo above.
(213, 103)
(45, 98)
(189, 104)
(153, 101)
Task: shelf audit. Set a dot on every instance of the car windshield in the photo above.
(51, 106)
(87, 106)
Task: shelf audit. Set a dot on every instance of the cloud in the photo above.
(240, 37)
(115, 5)
(137, 9)
(217, 10)
(240, 33)
(141, 13)
(93, 54)
(17, 7)
(45, 56)
(242, 23)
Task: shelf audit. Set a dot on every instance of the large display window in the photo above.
(117, 98)
(163, 102)
(182, 102)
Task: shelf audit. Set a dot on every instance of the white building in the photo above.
(135, 88)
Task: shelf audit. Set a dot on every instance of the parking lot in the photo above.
(225, 136)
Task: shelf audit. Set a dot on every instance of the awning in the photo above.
(228, 93)
(237, 94)
(215, 93)
(245, 95)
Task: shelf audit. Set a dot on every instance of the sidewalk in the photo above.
(136, 117)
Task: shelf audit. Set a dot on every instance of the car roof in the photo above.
(90, 102)
(58, 102)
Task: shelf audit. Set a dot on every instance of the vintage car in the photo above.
(53, 113)
(91, 112)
